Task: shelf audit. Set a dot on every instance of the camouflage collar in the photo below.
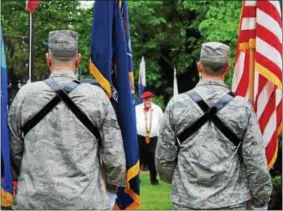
(212, 82)
(63, 73)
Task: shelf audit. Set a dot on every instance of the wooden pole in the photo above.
(251, 85)
(251, 70)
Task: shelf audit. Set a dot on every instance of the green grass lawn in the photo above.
(154, 197)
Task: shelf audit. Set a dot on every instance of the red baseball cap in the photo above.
(147, 94)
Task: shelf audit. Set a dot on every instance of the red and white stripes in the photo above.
(260, 28)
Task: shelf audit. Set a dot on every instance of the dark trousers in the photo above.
(147, 155)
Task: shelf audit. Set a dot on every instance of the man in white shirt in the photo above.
(148, 117)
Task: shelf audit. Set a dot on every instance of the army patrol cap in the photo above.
(63, 44)
(214, 53)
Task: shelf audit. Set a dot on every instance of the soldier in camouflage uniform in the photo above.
(207, 170)
(59, 158)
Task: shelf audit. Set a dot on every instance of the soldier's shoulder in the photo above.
(32, 88)
(180, 101)
(180, 98)
(92, 89)
(242, 102)
(90, 81)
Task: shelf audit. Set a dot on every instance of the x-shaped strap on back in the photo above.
(62, 95)
(210, 115)
(47, 108)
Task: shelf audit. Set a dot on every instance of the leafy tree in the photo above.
(219, 23)
(49, 15)
(15, 37)
(170, 33)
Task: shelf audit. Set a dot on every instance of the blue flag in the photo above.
(7, 183)
(111, 65)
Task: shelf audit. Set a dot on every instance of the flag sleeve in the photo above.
(253, 153)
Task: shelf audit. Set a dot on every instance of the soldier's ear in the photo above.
(48, 60)
(46, 56)
(78, 60)
(200, 68)
(227, 69)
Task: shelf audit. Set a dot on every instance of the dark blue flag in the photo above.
(7, 183)
(111, 65)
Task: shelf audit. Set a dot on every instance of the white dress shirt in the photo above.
(157, 115)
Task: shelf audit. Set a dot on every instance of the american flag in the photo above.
(260, 49)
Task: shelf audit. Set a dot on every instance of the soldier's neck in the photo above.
(63, 67)
(209, 77)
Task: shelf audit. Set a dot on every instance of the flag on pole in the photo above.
(142, 80)
(31, 5)
(7, 183)
(111, 65)
(175, 92)
(260, 50)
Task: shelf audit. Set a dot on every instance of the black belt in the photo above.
(62, 95)
(210, 115)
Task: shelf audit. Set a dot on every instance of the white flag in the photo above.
(175, 84)
(142, 80)
(142, 76)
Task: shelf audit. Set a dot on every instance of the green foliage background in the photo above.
(168, 34)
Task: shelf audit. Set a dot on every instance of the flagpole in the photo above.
(251, 85)
(251, 70)
(31, 46)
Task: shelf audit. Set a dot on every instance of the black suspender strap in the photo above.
(226, 131)
(74, 108)
(210, 114)
(219, 124)
(69, 87)
(47, 108)
(197, 98)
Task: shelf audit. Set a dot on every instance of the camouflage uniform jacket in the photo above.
(207, 172)
(59, 162)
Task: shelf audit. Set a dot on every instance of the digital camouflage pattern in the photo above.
(63, 44)
(214, 52)
(59, 162)
(207, 172)
(242, 206)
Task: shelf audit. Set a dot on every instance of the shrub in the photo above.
(276, 196)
